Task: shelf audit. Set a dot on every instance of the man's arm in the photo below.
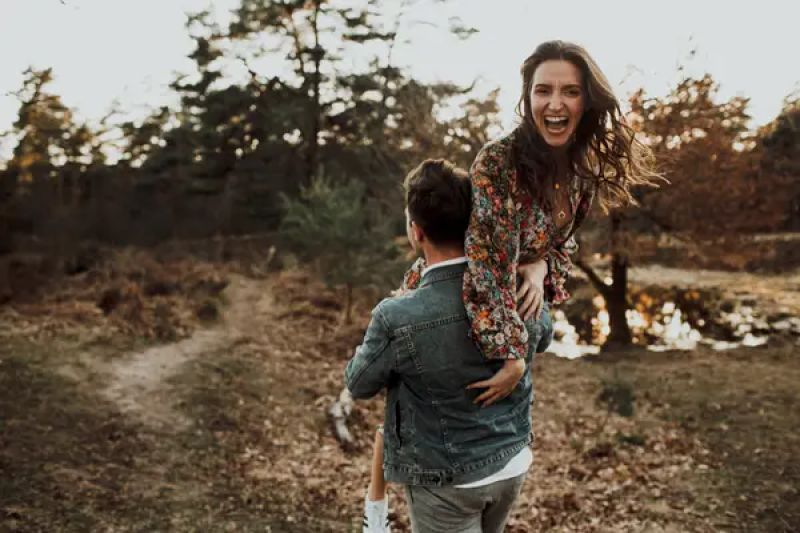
(369, 369)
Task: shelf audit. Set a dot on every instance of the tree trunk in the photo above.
(617, 297)
(617, 304)
(312, 156)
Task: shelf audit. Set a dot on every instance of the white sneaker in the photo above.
(376, 516)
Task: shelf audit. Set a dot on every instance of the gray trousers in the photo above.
(452, 510)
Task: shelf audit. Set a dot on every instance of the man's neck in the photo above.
(437, 255)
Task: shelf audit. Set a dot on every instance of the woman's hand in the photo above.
(501, 384)
(530, 293)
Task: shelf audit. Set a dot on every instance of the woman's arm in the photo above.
(492, 247)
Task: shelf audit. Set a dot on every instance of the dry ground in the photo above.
(226, 430)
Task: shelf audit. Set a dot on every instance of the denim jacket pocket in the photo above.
(399, 428)
(397, 424)
(391, 423)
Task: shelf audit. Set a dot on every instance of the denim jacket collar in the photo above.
(442, 273)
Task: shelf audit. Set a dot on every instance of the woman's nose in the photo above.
(556, 103)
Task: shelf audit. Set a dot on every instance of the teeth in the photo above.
(555, 120)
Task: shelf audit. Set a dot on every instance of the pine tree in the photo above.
(340, 235)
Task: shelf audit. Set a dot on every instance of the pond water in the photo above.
(668, 327)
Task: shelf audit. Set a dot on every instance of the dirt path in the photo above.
(97, 439)
(661, 275)
(778, 293)
(138, 383)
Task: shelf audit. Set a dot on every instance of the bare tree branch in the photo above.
(598, 283)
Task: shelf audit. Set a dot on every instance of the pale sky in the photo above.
(128, 50)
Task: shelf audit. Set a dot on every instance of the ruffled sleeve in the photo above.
(559, 267)
(492, 247)
(413, 276)
(559, 263)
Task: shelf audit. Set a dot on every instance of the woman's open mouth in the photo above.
(556, 125)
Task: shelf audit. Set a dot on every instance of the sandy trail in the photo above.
(138, 383)
(777, 293)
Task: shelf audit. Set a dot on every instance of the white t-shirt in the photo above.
(518, 465)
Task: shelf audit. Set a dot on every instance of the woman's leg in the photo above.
(376, 506)
(377, 485)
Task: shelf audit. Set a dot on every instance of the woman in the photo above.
(531, 190)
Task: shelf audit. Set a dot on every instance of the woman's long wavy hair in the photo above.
(604, 151)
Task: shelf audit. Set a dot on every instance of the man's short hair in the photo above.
(439, 200)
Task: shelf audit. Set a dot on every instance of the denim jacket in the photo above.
(418, 346)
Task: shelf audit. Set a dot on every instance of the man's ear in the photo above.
(417, 232)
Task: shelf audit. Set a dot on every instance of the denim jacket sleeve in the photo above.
(371, 366)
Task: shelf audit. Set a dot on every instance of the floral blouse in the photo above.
(508, 228)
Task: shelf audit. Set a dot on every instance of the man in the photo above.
(461, 453)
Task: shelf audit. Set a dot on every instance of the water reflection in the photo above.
(661, 329)
(566, 342)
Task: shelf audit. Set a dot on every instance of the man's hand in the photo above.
(501, 384)
(530, 293)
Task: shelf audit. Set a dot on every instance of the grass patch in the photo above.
(66, 457)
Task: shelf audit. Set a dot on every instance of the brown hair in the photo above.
(604, 152)
(439, 200)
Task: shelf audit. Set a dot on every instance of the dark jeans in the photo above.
(453, 510)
